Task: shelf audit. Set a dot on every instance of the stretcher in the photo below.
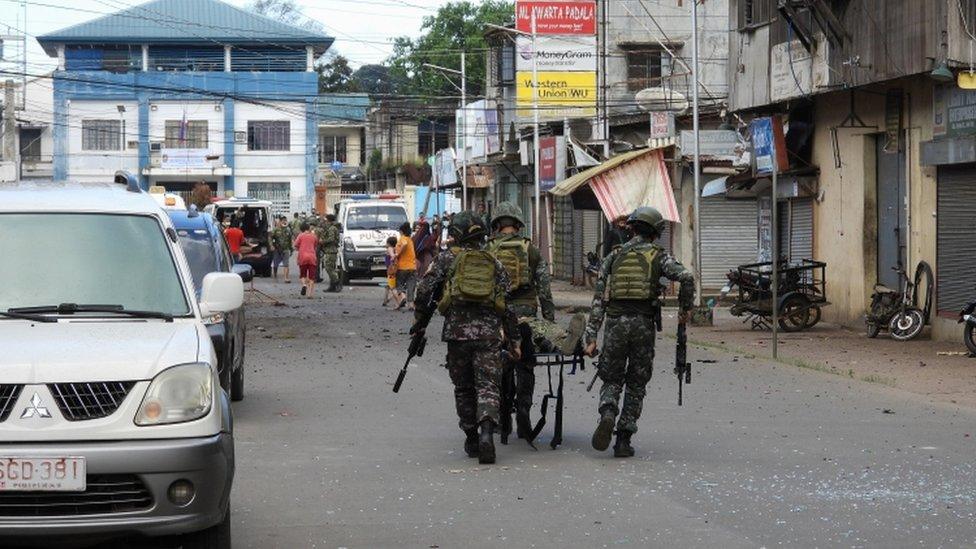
(551, 361)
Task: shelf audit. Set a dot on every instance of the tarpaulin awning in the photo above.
(626, 182)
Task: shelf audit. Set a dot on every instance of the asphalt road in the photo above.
(761, 455)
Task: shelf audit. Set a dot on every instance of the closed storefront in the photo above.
(729, 237)
(592, 230)
(796, 228)
(956, 246)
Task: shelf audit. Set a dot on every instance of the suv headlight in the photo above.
(178, 394)
(347, 244)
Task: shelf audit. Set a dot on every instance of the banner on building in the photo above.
(556, 17)
(769, 143)
(547, 163)
(795, 72)
(184, 158)
(478, 125)
(953, 111)
(445, 169)
(560, 95)
(715, 144)
(556, 53)
(662, 125)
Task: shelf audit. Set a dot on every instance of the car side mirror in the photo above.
(245, 271)
(221, 293)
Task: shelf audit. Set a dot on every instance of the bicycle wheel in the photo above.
(907, 325)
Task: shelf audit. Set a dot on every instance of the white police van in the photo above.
(367, 221)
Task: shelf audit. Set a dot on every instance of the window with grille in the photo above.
(268, 135)
(506, 67)
(101, 135)
(193, 136)
(429, 142)
(332, 148)
(647, 66)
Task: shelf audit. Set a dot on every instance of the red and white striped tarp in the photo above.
(642, 181)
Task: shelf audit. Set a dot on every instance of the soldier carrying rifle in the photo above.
(628, 292)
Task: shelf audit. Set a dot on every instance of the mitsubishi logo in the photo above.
(35, 409)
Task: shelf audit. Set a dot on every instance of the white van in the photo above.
(367, 222)
(112, 419)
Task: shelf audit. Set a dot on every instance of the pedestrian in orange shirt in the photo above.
(406, 261)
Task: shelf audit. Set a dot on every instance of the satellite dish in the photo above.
(661, 99)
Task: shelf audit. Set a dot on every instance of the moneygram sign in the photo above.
(557, 53)
(555, 17)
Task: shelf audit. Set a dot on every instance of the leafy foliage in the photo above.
(335, 75)
(457, 26)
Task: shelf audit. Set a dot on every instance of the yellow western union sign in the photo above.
(561, 94)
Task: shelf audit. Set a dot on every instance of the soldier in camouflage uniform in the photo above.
(628, 294)
(530, 290)
(474, 330)
(281, 247)
(329, 246)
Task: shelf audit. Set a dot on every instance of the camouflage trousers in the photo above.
(476, 371)
(328, 262)
(627, 362)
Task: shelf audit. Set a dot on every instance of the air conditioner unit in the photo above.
(156, 146)
(240, 137)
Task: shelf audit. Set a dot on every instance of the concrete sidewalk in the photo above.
(939, 370)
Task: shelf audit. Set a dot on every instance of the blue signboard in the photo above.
(763, 145)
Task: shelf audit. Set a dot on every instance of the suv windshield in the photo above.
(55, 258)
(200, 254)
(384, 218)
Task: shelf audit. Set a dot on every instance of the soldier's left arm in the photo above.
(672, 269)
(543, 284)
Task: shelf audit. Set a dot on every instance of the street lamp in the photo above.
(463, 73)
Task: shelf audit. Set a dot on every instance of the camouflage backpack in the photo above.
(471, 281)
(633, 276)
(513, 254)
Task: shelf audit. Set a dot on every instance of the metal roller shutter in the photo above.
(592, 219)
(729, 237)
(956, 247)
(664, 240)
(801, 231)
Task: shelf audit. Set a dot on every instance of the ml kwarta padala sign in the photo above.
(563, 53)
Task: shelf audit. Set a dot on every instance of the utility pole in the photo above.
(464, 133)
(697, 156)
(535, 132)
(9, 123)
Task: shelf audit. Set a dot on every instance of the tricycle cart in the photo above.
(802, 293)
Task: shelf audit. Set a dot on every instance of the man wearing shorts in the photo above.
(308, 261)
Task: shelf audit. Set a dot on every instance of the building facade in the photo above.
(200, 92)
(871, 107)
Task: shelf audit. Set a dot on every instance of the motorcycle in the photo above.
(898, 310)
(968, 316)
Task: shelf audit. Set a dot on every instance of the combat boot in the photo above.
(604, 430)
(574, 333)
(622, 448)
(471, 442)
(486, 444)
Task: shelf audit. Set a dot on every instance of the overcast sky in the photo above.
(362, 29)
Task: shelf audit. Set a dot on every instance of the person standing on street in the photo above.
(406, 259)
(329, 244)
(307, 244)
(470, 285)
(235, 238)
(529, 290)
(628, 294)
(281, 247)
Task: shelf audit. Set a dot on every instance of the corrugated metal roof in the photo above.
(185, 22)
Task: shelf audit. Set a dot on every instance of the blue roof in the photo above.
(185, 22)
(342, 108)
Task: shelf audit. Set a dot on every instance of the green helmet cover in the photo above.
(467, 226)
(648, 216)
(509, 210)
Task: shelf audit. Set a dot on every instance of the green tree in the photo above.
(286, 11)
(374, 80)
(335, 74)
(457, 26)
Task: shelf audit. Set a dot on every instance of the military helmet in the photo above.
(467, 226)
(510, 211)
(649, 216)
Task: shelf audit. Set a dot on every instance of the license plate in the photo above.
(49, 474)
(379, 260)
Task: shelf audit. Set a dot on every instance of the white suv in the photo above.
(112, 421)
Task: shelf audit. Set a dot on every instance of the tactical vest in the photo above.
(513, 254)
(634, 280)
(471, 281)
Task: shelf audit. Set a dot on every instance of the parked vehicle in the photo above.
(207, 252)
(800, 297)
(366, 222)
(167, 201)
(898, 310)
(968, 316)
(256, 222)
(111, 418)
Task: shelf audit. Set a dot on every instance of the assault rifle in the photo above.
(418, 342)
(681, 366)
